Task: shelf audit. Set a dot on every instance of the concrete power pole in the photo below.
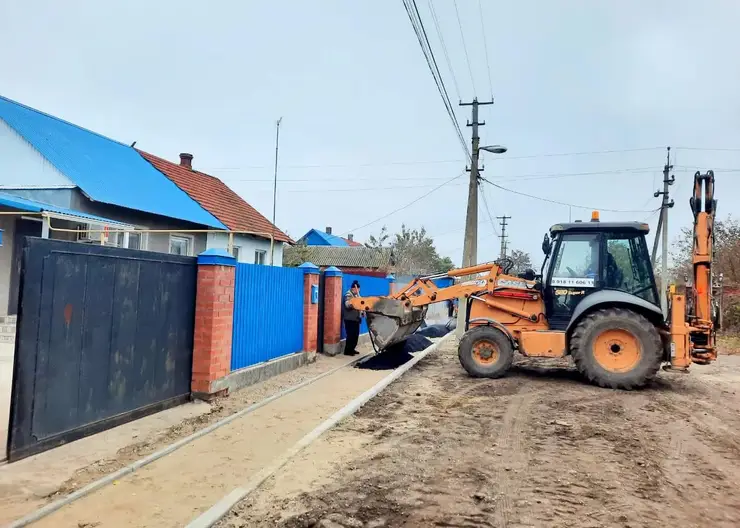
(470, 247)
(503, 234)
(666, 204)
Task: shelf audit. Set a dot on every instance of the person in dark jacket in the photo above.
(352, 320)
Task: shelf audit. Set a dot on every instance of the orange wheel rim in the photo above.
(617, 350)
(485, 352)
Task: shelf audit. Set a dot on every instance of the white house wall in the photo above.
(247, 246)
(23, 165)
(7, 224)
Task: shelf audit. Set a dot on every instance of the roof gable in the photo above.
(105, 170)
(320, 238)
(217, 198)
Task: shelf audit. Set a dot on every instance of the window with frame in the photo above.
(260, 256)
(135, 240)
(181, 245)
(578, 258)
(628, 265)
(235, 252)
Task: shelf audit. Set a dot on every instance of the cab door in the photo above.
(574, 273)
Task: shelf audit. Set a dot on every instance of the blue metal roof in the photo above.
(319, 238)
(107, 171)
(24, 204)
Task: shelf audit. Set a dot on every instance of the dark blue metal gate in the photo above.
(104, 336)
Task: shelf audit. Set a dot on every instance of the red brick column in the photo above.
(214, 313)
(310, 307)
(333, 298)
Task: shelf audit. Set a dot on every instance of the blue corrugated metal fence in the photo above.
(369, 286)
(268, 314)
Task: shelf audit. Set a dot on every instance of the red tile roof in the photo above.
(352, 243)
(217, 198)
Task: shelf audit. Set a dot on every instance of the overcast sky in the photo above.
(360, 108)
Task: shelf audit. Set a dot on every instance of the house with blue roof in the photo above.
(325, 238)
(59, 180)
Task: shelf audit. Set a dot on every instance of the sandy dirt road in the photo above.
(33, 482)
(173, 490)
(539, 448)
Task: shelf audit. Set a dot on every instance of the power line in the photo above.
(584, 153)
(512, 178)
(465, 47)
(444, 47)
(418, 25)
(338, 165)
(405, 206)
(485, 46)
(694, 167)
(708, 149)
(432, 162)
(557, 175)
(488, 210)
(563, 203)
(356, 189)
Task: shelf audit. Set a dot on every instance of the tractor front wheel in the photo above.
(485, 352)
(616, 348)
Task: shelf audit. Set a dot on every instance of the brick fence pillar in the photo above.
(333, 298)
(310, 307)
(214, 314)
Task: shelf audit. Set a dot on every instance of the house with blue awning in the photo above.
(59, 180)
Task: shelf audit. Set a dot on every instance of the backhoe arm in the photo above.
(394, 317)
(422, 291)
(692, 327)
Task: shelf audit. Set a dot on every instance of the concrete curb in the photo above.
(108, 479)
(222, 507)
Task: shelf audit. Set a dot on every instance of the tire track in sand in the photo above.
(510, 472)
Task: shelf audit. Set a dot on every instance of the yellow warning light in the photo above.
(594, 216)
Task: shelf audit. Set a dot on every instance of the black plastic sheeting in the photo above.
(398, 354)
(436, 330)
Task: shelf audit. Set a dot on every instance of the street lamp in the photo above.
(495, 149)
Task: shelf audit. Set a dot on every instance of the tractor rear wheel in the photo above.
(616, 348)
(485, 352)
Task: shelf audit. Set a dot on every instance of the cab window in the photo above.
(627, 265)
(577, 262)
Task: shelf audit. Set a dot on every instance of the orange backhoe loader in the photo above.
(595, 298)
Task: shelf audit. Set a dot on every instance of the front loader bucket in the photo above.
(391, 321)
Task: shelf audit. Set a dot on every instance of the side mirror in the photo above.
(546, 244)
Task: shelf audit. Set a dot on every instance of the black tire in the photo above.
(469, 352)
(589, 342)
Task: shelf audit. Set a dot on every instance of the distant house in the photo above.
(359, 260)
(59, 180)
(223, 203)
(325, 238)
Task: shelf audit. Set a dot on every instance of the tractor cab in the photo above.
(588, 257)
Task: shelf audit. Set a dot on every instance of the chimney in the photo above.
(351, 237)
(186, 160)
(328, 231)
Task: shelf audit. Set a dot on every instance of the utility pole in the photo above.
(503, 234)
(274, 192)
(470, 247)
(666, 204)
